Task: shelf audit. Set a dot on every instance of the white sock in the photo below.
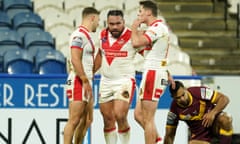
(110, 136)
(124, 136)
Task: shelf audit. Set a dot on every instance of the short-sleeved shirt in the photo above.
(201, 102)
(155, 54)
(80, 39)
(117, 55)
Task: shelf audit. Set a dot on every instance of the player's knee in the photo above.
(120, 115)
(225, 121)
(74, 121)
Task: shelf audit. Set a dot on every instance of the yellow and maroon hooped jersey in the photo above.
(202, 101)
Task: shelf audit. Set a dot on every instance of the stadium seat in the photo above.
(108, 4)
(130, 5)
(36, 49)
(38, 38)
(60, 26)
(27, 21)
(3, 50)
(232, 9)
(74, 8)
(5, 22)
(18, 62)
(179, 68)
(12, 7)
(175, 54)
(10, 38)
(50, 62)
(43, 7)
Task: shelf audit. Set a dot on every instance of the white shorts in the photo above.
(122, 89)
(153, 84)
(74, 88)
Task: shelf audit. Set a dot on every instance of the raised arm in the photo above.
(137, 38)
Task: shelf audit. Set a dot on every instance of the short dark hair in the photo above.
(115, 13)
(147, 4)
(89, 10)
(178, 85)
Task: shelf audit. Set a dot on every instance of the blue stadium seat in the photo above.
(10, 38)
(3, 50)
(27, 21)
(50, 62)
(12, 7)
(18, 62)
(38, 38)
(5, 22)
(36, 49)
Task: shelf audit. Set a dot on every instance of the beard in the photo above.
(116, 33)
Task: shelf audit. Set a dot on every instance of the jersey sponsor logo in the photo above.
(114, 53)
(209, 93)
(206, 93)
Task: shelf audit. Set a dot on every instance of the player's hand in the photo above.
(136, 23)
(208, 119)
(88, 90)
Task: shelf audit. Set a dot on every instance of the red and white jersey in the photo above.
(80, 39)
(117, 55)
(155, 54)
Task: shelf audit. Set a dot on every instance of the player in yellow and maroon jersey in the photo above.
(202, 110)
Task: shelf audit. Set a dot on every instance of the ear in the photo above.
(93, 17)
(148, 12)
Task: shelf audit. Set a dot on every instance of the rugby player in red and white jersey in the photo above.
(80, 76)
(202, 110)
(117, 82)
(155, 76)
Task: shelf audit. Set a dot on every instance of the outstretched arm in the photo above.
(170, 135)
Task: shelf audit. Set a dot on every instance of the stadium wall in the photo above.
(33, 109)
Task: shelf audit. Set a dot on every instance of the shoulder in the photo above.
(201, 92)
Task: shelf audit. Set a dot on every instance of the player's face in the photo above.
(142, 14)
(182, 97)
(115, 25)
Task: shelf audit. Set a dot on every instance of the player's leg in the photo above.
(110, 132)
(78, 136)
(148, 88)
(123, 97)
(223, 127)
(84, 124)
(76, 109)
(121, 111)
(148, 111)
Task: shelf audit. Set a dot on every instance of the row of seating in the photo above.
(57, 17)
(25, 46)
(20, 61)
(32, 38)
